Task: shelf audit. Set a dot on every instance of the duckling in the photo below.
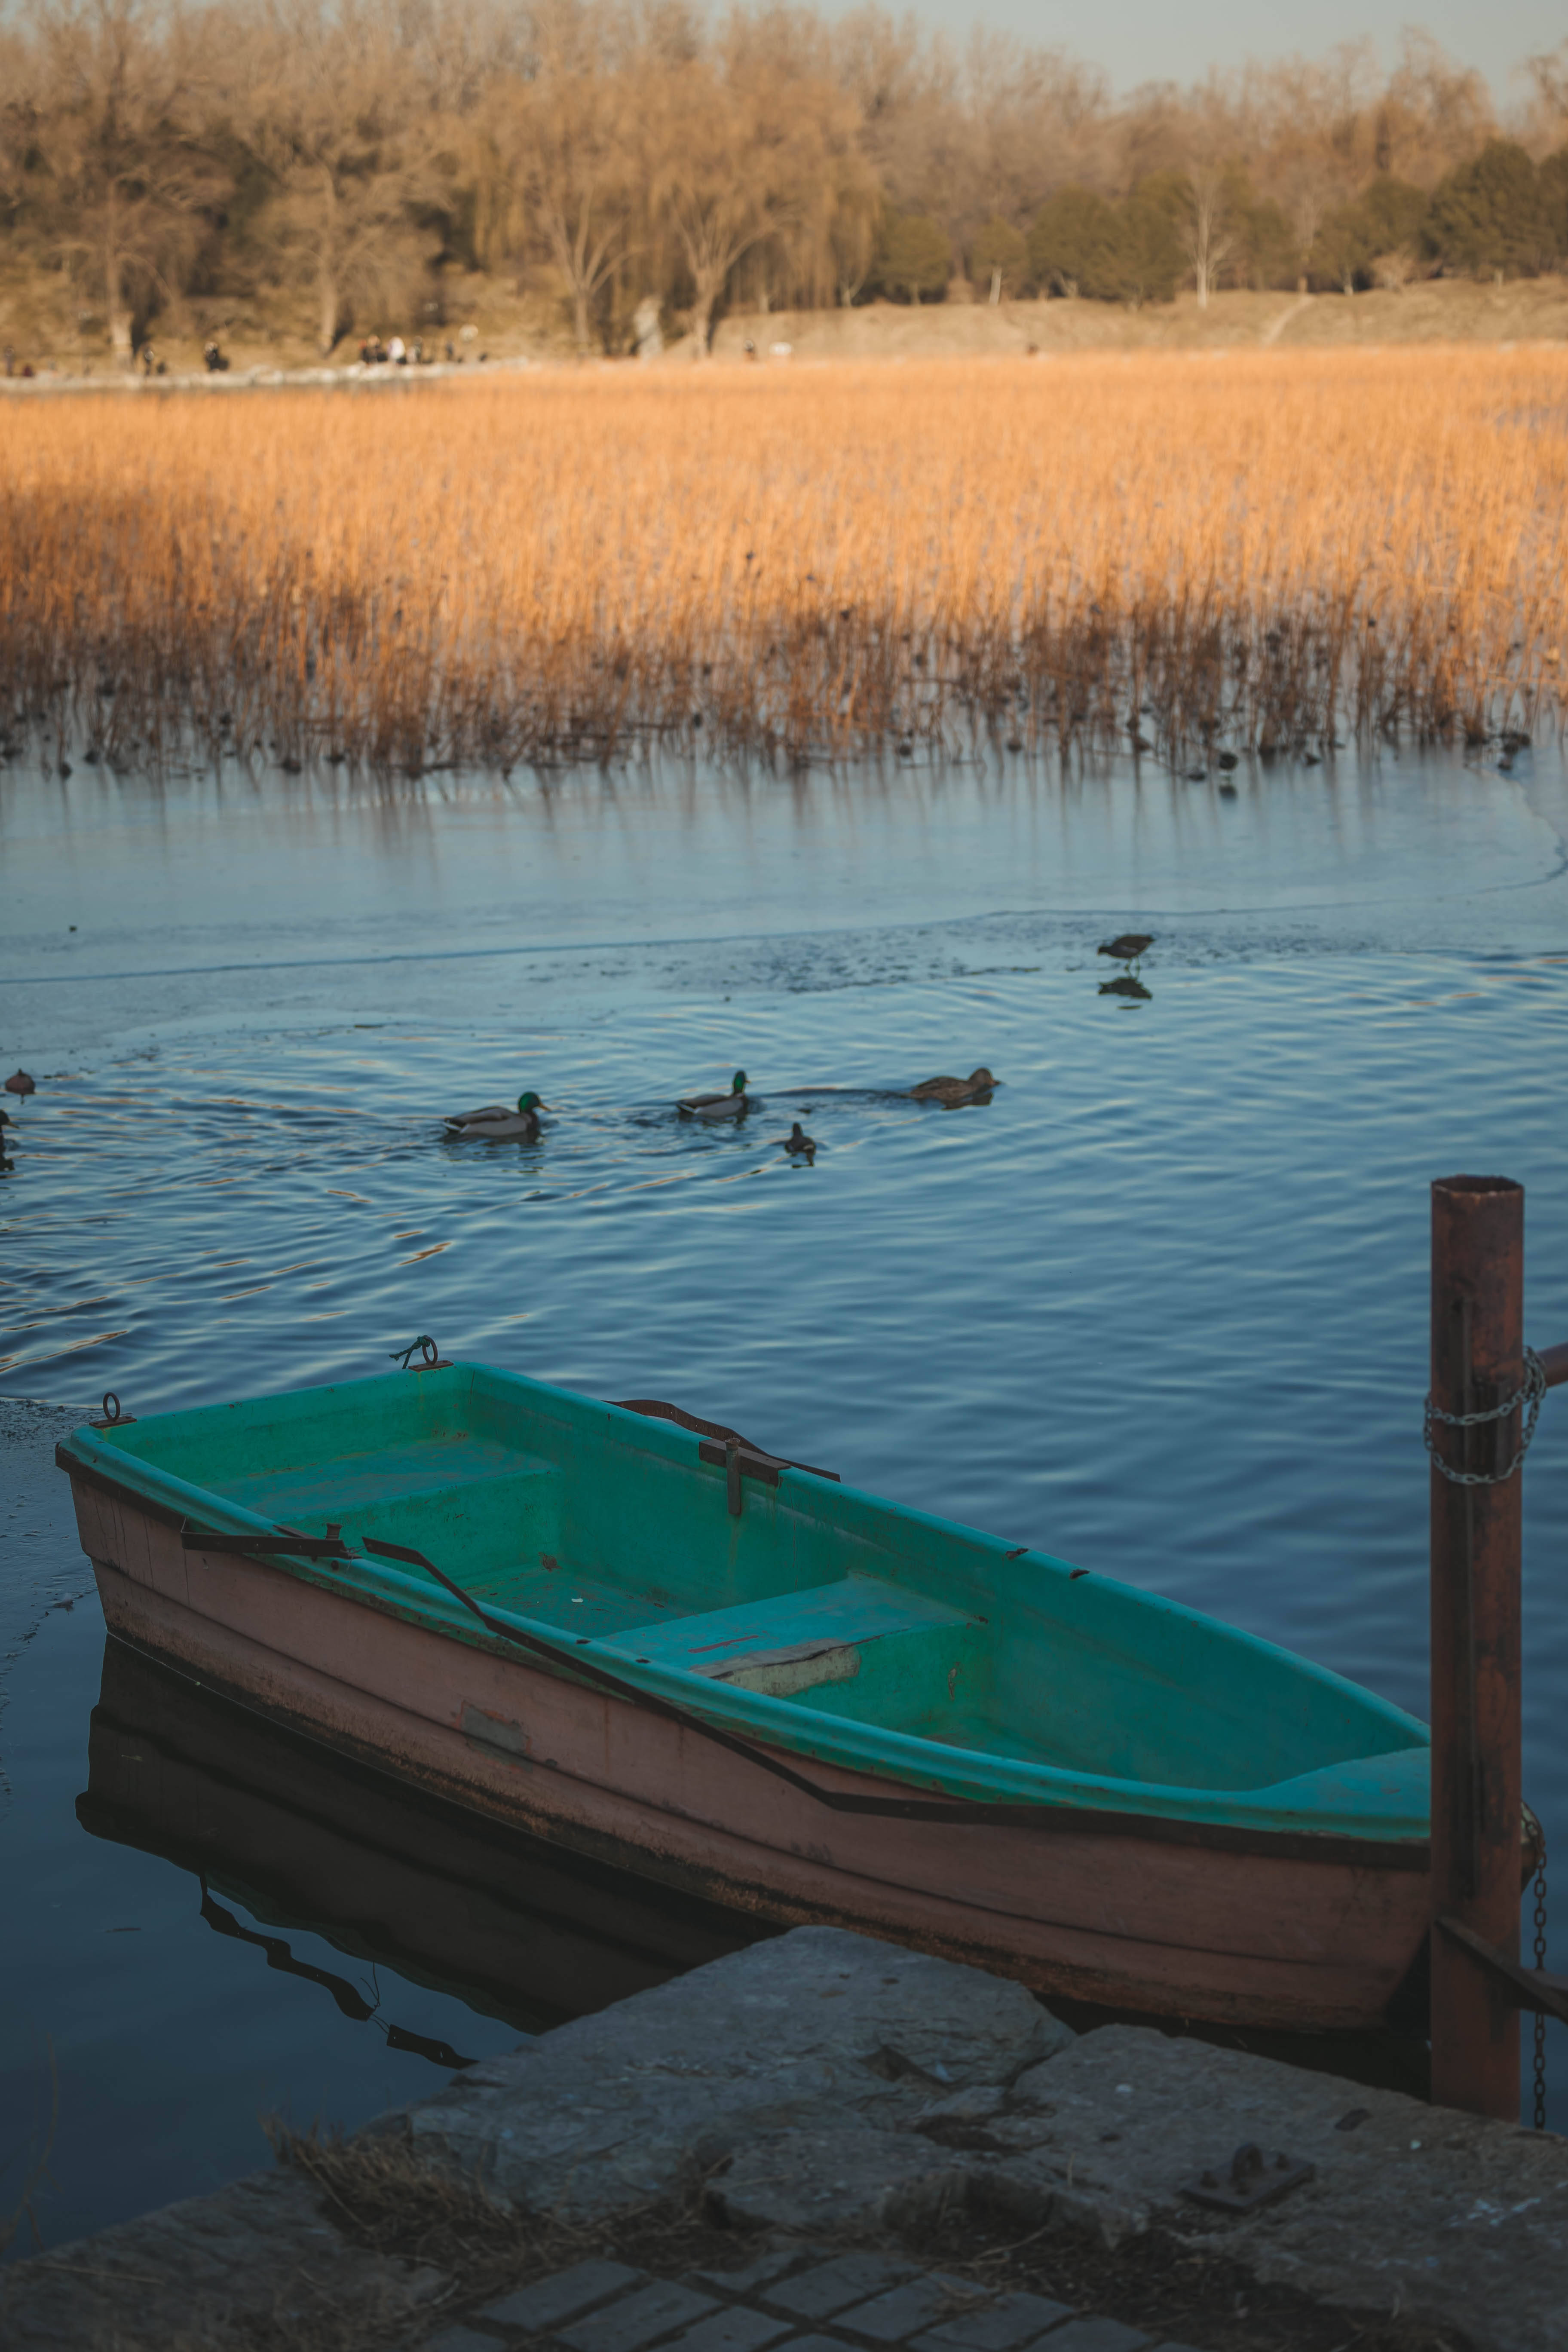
(796, 1142)
(19, 1083)
(1127, 946)
(975, 1088)
(734, 1104)
(495, 1124)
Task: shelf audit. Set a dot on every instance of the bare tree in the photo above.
(338, 118)
(127, 176)
(852, 236)
(567, 144)
(743, 162)
(715, 192)
(1205, 239)
(1034, 119)
(1434, 114)
(1546, 122)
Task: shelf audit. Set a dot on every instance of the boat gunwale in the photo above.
(1332, 1849)
(1063, 1802)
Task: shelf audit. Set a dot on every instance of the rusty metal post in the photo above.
(1478, 1300)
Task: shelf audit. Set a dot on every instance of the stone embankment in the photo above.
(833, 2107)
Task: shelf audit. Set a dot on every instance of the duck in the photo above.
(975, 1088)
(19, 1083)
(1127, 946)
(796, 1142)
(734, 1104)
(493, 1123)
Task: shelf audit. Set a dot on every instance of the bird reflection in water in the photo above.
(1127, 948)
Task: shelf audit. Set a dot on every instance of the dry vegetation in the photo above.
(1268, 550)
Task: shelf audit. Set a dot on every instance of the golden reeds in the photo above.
(1266, 549)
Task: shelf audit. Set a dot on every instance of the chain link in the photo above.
(1529, 1394)
(1541, 1963)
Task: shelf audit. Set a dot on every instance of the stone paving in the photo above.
(792, 2300)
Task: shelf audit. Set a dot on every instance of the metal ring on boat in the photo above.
(426, 1345)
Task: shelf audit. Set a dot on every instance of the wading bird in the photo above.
(21, 1084)
(1127, 946)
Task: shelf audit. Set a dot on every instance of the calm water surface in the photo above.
(1160, 1306)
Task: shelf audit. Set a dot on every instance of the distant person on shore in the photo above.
(10, 358)
(215, 360)
(398, 351)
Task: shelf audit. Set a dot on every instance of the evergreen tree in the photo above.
(1395, 213)
(1554, 179)
(1388, 218)
(1266, 251)
(1076, 246)
(998, 259)
(1151, 259)
(913, 256)
(1489, 216)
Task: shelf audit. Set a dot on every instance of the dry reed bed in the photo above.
(1265, 549)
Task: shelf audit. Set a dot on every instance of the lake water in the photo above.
(1160, 1306)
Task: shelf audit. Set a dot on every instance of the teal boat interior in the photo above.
(819, 1619)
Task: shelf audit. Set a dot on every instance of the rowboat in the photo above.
(637, 1635)
(271, 1823)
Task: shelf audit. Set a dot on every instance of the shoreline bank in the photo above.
(1524, 314)
(837, 2112)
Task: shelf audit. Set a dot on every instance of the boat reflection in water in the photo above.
(304, 1839)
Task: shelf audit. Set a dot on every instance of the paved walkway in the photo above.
(790, 2301)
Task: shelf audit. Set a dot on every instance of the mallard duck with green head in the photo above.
(734, 1104)
(493, 1123)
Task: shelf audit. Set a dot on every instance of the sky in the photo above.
(1152, 40)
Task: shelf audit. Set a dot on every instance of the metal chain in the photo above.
(1529, 1394)
(1540, 2017)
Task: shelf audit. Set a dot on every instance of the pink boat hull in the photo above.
(1302, 1933)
